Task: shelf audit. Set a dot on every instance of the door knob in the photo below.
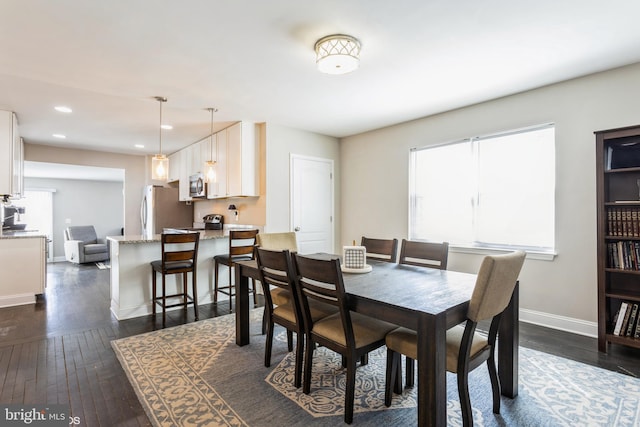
(296, 229)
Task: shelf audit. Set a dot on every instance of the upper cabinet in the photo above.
(237, 163)
(235, 151)
(11, 155)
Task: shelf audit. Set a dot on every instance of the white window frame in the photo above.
(544, 253)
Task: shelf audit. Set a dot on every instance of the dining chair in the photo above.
(466, 348)
(424, 254)
(421, 254)
(241, 247)
(276, 271)
(350, 334)
(277, 242)
(381, 249)
(179, 256)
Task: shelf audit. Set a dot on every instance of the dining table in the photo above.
(427, 300)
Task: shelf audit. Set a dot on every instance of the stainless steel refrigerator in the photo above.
(162, 209)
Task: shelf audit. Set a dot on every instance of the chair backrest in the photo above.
(382, 249)
(278, 241)
(319, 278)
(242, 242)
(180, 247)
(424, 254)
(495, 284)
(276, 269)
(85, 233)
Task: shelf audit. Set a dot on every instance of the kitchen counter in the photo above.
(23, 262)
(131, 256)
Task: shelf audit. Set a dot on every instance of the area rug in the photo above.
(195, 375)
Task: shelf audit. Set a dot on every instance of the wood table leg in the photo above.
(432, 375)
(508, 342)
(242, 306)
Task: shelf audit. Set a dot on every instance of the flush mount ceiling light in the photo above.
(159, 162)
(337, 54)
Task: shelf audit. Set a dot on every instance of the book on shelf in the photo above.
(625, 321)
(632, 320)
(637, 332)
(620, 318)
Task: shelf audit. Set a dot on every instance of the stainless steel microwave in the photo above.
(197, 186)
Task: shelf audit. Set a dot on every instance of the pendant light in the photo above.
(160, 162)
(210, 165)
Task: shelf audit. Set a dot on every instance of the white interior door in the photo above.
(312, 203)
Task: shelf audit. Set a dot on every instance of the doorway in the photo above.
(38, 214)
(312, 208)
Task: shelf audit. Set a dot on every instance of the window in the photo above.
(495, 191)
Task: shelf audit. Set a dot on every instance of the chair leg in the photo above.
(185, 300)
(153, 292)
(390, 376)
(255, 294)
(215, 281)
(349, 394)
(410, 371)
(230, 287)
(264, 321)
(364, 359)
(289, 340)
(495, 384)
(269, 342)
(297, 379)
(465, 402)
(194, 283)
(164, 301)
(308, 362)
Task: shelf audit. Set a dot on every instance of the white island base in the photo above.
(131, 272)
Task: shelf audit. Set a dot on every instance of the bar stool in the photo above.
(179, 255)
(241, 246)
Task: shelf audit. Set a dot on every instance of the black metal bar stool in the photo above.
(179, 255)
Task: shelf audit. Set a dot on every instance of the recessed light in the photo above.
(166, 127)
(63, 109)
(139, 146)
(59, 136)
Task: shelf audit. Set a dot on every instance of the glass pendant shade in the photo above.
(159, 167)
(210, 171)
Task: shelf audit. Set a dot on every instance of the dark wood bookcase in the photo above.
(618, 198)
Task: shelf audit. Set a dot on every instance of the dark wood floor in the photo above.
(58, 351)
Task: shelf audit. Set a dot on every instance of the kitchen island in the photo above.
(24, 267)
(131, 256)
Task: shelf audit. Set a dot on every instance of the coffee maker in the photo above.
(213, 222)
(10, 214)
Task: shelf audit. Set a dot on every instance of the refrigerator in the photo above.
(161, 209)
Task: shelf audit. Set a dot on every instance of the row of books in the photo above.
(626, 322)
(624, 255)
(623, 221)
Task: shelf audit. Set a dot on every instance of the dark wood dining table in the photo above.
(427, 300)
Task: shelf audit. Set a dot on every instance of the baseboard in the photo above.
(23, 299)
(562, 323)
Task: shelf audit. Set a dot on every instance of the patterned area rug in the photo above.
(195, 375)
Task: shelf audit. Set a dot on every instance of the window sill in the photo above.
(531, 254)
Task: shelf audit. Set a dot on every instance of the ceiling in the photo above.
(254, 60)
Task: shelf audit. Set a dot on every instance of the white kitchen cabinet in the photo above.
(185, 166)
(175, 167)
(11, 155)
(20, 285)
(242, 161)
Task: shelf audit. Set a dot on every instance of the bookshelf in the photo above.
(618, 234)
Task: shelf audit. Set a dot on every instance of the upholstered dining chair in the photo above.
(179, 256)
(276, 271)
(466, 349)
(350, 334)
(241, 246)
(381, 249)
(277, 242)
(424, 254)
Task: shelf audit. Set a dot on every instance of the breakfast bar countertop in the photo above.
(21, 234)
(148, 238)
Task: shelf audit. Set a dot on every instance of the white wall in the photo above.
(83, 202)
(560, 293)
(281, 143)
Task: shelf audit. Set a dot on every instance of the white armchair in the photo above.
(82, 245)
